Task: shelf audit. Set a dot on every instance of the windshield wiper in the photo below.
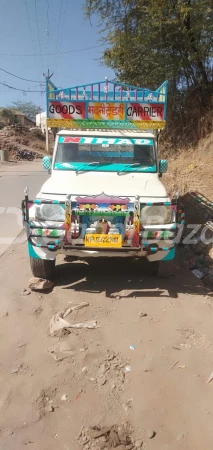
(83, 168)
(127, 166)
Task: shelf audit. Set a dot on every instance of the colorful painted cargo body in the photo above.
(104, 196)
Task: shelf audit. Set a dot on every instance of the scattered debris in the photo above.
(26, 292)
(58, 323)
(180, 437)
(141, 314)
(28, 442)
(198, 274)
(132, 347)
(210, 378)
(44, 402)
(112, 370)
(139, 443)
(127, 369)
(17, 369)
(99, 438)
(173, 365)
(50, 408)
(151, 434)
(61, 351)
(40, 284)
(128, 405)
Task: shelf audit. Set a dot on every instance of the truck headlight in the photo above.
(156, 215)
(49, 212)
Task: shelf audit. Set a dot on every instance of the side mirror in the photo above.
(47, 162)
(163, 166)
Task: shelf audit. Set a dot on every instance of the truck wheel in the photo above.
(42, 268)
(162, 269)
(166, 269)
(154, 268)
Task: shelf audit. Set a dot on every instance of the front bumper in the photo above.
(48, 239)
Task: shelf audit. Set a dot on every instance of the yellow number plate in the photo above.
(103, 240)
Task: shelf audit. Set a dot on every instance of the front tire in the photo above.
(43, 268)
(162, 269)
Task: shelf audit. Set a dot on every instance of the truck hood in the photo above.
(94, 183)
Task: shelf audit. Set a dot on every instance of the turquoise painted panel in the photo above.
(32, 252)
(112, 167)
(170, 255)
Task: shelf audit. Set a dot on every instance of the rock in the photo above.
(102, 381)
(122, 436)
(151, 434)
(16, 369)
(129, 447)
(121, 447)
(138, 443)
(114, 438)
(26, 292)
(40, 284)
(95, 432)
(83, 349)
(64, 398)
(50, 408)
(180, 437)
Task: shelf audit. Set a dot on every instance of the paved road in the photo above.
(13, 180)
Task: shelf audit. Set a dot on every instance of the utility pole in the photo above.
(47, 77)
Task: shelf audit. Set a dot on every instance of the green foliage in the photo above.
(150, 41)
(8, 117)
(29, 109)
(153, 40)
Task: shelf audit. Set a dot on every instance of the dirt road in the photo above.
(165, 390)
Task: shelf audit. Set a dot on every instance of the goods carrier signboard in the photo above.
(106, 105)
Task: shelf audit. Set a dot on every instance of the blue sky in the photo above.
(35, 27)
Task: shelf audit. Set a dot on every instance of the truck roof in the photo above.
(112, 133)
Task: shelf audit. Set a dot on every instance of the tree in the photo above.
(8, 117)
(153, 40)
(150, 41)
(29, 109)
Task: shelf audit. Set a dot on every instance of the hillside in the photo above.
(190, 174)
(13, 138)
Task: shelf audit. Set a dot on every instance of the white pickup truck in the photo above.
(104, 197)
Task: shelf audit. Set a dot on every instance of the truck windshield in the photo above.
(114, 153)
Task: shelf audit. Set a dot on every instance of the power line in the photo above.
(17, 89)
(59, 48)
(59, 22)
(39, 41)
(20, 78)
(53, 54)
(48, 27)
(31, 34)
